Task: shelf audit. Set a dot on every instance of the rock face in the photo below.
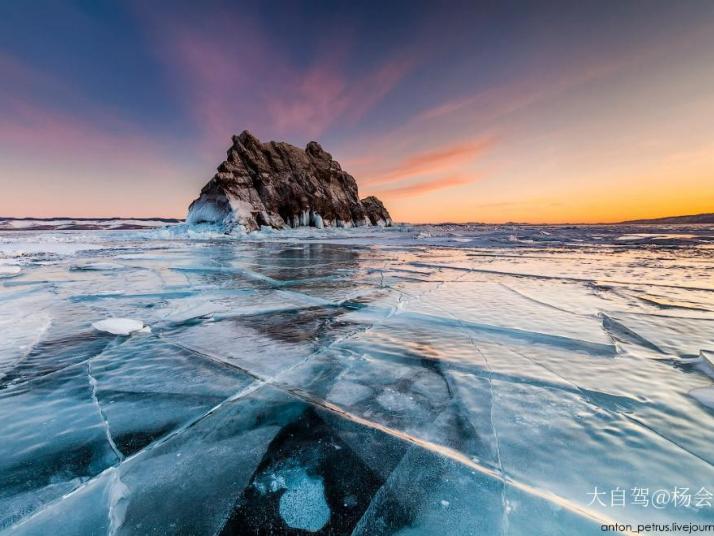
(280, 185)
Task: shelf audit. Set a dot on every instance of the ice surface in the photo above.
(412, 380)
(705, 395)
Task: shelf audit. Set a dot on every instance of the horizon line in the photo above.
(178, 220)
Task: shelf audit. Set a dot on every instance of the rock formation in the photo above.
(280, 185)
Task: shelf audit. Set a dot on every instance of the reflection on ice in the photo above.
(457, 380)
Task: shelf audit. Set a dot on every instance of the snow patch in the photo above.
(118, 503)
(9, 270)
(121, 326)
(303, 505)
(395, 401)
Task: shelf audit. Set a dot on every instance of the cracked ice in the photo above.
(451, 379)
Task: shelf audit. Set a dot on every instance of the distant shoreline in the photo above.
(707, 217)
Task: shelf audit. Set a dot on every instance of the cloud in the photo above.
(433, 161)
(233, 76)
(324, 95)
(488, 111)
(426, 186)
(485, 115)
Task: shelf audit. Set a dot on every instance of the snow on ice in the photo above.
(121, 326)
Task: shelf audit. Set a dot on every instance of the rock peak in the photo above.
(315, 150)
(246, 137)
(313, 147)
(279, 185)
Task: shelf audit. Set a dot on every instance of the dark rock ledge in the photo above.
(280, 185)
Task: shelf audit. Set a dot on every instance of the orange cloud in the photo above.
(424, 187)
(432, 162)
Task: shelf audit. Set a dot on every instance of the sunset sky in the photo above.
(476, 111)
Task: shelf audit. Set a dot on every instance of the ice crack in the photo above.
(102, 416)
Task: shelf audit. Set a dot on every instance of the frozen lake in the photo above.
(417, 380)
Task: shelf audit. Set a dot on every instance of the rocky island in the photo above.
(279, 185)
